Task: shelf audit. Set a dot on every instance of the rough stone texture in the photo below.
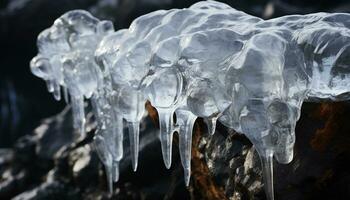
(318, 171)
(224, 166)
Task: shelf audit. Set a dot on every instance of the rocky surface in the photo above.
(318, 171)
(51, 163)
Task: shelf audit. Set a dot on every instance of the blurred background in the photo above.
(25, 105)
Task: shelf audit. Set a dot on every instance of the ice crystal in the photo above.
(209, 61)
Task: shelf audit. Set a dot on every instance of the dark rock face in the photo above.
(52, 163)
(224, 166)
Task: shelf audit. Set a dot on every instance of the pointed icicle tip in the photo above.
(115, 170)
(56, 91)
(50, 86)
(119, 136)
(211, 124)
(266, 158)
(65, 95)
(166, 134)
(185, 120)
(187, 176)
(134, 132)
(109, 174)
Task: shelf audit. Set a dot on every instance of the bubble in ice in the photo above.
(209, 61)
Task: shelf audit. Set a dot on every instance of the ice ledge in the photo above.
(208, 61)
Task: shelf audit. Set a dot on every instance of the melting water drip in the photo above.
(207, 61)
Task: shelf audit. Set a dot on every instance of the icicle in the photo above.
(65, 95)
(211, 124)
(116, 143)
(110, 128)
(56, 91)
(166, 134)
(118, 126)
(134, 131)
(185, 120)
(49, 85)
(78, 113)
(131, 106)
(109, 174)
(266, 157)
(115, 171)
(106, 158)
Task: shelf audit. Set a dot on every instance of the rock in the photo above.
(321, 152)
(68, 163)
(49, 190)
(53, 134)
(224, 166)
(85, 166)
(6, 155)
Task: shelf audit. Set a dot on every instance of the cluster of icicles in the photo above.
(208, 61)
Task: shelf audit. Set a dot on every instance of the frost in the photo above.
(209, 61)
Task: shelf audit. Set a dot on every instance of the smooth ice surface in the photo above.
(209, 61)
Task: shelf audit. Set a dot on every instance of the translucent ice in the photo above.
(209, 61)
(185, 123)
(66, 59)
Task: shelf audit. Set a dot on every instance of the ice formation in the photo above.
(209, 61)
